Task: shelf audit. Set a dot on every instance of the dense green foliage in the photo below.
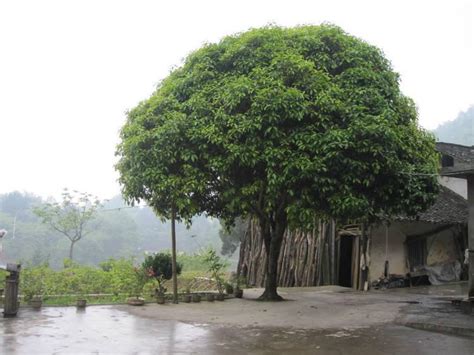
(309, 116)
(78, 279)
(459, 131)
(118, 278)
(160, 267)
(279, 124)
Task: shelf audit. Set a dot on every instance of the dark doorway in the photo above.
(345, 261)
(416, 253)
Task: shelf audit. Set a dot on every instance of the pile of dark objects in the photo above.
(436, 274)
(391, 281)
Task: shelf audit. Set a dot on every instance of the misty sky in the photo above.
(70, 69)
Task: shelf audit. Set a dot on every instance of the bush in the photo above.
(116, 277)
(160, 267)
(216, 266)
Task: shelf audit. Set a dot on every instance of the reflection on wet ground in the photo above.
(109, 329)
(95, 329)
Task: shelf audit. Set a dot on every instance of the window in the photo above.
(447, 161)
(416, 252)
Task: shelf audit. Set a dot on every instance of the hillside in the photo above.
(118, 231)
(460, 130)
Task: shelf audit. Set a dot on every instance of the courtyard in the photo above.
(326, 320)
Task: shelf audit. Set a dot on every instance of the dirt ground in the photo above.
(304, 308)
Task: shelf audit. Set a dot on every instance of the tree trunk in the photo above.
(71, 249)
(173, 254)
(301, 254)
(272, 234)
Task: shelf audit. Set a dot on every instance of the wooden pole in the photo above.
(173, 254)
(332, 225)
(11, 294)
(470, 242)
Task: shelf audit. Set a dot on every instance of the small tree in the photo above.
(159, 266)
(71, 217)
(32, 282)
(216, 266)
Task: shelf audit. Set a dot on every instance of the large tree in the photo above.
(279, 124)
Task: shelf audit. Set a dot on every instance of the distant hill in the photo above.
(459, 131)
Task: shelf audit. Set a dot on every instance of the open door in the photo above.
(346, 245)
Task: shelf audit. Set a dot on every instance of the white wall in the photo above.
(441, 247)
(457, 185)
(396, 251)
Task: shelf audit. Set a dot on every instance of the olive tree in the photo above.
(280, 124)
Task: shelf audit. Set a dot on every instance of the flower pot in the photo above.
(187, 298)
(36, 302)
(238, 293)
(220, 297)
(196, 298)
(160, 299)
(136, 301)
(229, 289)
(210, 297)
(81, 303)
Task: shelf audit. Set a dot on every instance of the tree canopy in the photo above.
(280, 124)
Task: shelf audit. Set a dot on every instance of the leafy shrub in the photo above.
(160, 267)
(33, 282)
(216, 266)
(115, 277)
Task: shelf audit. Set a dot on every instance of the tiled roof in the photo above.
(463, 159)
(448, 208)
(461, 153)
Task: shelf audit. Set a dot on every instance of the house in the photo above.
(431, 245)
(458, 169)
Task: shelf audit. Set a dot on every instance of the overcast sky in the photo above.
(70, 69)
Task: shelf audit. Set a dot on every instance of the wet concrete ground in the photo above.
(324, 320)
(110, 330)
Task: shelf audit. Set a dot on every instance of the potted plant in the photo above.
(229, 289)
(32, 286)
(238, 292)
(81, 301)
(136, 287)
(159, 266)
(36, 302)
(216, 267)
(160, 291)
(187, 297)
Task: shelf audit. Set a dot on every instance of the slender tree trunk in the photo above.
(71, 249)
(273, 237)
(173, 254)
